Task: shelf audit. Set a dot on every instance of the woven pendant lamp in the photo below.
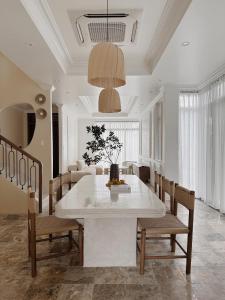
(106, 63)
(109, 101)
(106, 66)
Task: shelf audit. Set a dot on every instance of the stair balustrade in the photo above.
(20, 167)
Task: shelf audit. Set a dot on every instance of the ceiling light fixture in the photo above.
(185, 44)
(106, 63)
(109, 101)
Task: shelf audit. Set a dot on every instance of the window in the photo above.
(202, 143)
(128, 134)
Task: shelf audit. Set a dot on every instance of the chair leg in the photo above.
(81, 245)
(173, 244)
(189, 253)
(33, 257)
(142, 254)
(29, 252)
(70, 239)
(50, 237)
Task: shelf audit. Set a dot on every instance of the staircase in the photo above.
(20, 168)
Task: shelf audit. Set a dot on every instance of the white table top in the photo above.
(90, 198)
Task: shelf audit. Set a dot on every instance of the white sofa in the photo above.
(80, 169)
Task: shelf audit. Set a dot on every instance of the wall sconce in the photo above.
(41, 113)
(40, 99)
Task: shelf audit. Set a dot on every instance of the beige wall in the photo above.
(12, 199)
(12, 125)
(16, 87)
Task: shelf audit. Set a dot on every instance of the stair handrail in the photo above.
(34, 159)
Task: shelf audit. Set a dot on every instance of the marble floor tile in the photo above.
(62, 278)
(75, 292)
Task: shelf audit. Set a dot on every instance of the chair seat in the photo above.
(52, 224)
(165, 225)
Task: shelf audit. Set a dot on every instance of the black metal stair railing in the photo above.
(20, 167)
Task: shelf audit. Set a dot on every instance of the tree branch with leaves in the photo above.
(102, 148)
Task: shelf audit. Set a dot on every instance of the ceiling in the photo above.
(38, 36)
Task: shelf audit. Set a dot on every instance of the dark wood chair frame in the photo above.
(187, 199)
(158, 184)
(32, 238)
(167, 187)
(54, 193)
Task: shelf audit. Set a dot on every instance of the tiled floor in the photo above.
(61, 278)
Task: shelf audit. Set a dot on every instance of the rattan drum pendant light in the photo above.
(109, 101)
(106, 64)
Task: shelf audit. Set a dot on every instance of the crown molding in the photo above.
(172, 14)
(133, 67)
(159, 97)
(212, 77)
(42, 16)
(109, 115)
(85, 100)
(133, 100)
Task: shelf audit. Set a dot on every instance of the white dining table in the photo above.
(110, 219)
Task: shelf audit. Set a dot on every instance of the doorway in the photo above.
(55, 142)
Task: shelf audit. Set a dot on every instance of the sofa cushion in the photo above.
(90, 169)
(81, 164)
(77, 175)
(73, 167)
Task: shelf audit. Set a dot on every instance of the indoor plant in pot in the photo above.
(104, 147)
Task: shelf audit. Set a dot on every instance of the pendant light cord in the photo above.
(107, 32)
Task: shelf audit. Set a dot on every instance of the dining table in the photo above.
(109, 218)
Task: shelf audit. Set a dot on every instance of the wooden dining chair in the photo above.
(158, 184)
(65, 179)
(46, 225)
(168, 188)
(169, 224)
(54, 193)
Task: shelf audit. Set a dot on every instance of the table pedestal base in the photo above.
(110, 242)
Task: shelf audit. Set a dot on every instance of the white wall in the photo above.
(171, 126)
(169, 165)
(68, 136)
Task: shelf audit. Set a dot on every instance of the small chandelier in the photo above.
(109, 101)
(106, 64)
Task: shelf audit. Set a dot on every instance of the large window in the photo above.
(128, 134)
(202, 143)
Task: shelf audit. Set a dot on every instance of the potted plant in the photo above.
(103, 147)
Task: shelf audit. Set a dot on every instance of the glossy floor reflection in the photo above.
(61, 278)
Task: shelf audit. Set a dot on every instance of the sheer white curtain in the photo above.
(215, 191)
(128, 134)
(202, 143)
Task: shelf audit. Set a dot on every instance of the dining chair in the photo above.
(54, 193)
(46, 225)
(158, 184)
(169, 224)
(168, 188)
(65, 179)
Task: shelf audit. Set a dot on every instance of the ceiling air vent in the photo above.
(98, 32)
(91, 28)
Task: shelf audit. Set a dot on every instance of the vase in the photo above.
(114, 171)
